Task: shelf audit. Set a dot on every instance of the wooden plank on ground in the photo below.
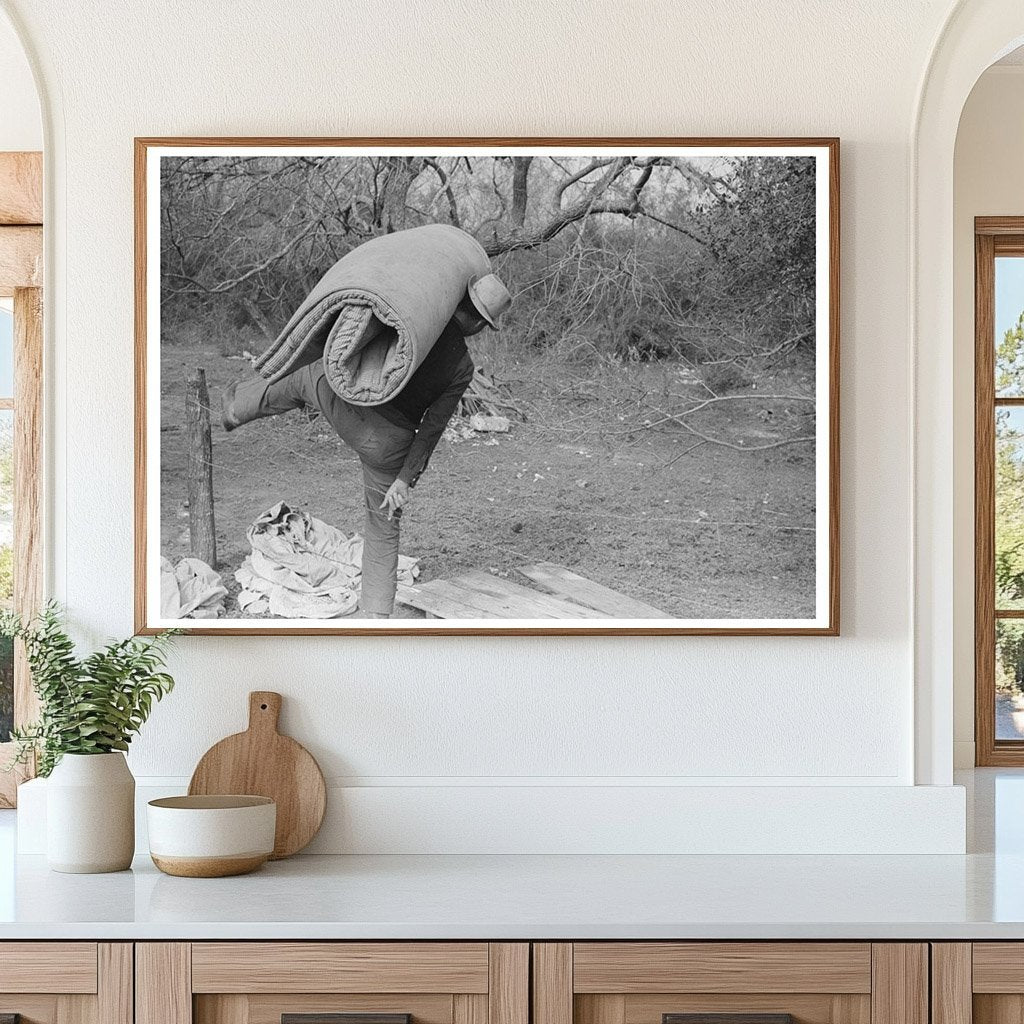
(458, 599)
(558, 580)
(440, 601)
(540, 605)
(479, 595)
(21, 188)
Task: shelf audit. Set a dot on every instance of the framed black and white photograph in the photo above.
(487, 386)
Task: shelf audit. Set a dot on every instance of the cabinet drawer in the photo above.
(332, 983)
(730, 983)
(750, 967)
(66, 982)
(998, 967)
(340, 967)
(64, 967)
(764, 982)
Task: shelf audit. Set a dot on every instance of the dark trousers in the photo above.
(381, 446)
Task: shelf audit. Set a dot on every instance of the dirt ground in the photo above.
(698, 532)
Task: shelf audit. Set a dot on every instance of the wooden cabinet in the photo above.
(751, 982)
(512, 983)
(979, 982)
(66, 982)
(264, 982)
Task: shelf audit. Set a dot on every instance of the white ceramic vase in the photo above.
(90, 814)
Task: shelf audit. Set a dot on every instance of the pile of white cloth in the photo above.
(303, 568)
(190, 590)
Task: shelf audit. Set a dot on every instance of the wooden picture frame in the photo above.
(824, 621)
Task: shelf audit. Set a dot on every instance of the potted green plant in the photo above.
(90, 708)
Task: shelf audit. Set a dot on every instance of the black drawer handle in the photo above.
(727, 1018)
(338, 1018)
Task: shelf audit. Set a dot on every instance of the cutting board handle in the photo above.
(264, 710)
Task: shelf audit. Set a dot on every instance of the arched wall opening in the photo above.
(975, 36)
(989, 153)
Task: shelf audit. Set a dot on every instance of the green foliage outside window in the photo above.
(1009, 510)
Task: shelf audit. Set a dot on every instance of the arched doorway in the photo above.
(977, 33)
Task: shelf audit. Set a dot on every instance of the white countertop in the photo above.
(516, 897)
(977, 896)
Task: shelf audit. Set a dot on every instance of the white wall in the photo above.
(429, 716)
(21, 127)
(987, 181)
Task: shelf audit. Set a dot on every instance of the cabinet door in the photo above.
(979, 982)
(730, 983)
(332, 983)
(65, 983)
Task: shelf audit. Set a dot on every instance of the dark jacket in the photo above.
(430, 399)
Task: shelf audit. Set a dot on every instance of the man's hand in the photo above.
(396, 498)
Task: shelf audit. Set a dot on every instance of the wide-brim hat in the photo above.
(490, 298)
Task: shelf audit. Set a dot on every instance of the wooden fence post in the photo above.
(202, 534)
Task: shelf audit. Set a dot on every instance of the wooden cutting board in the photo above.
(262, 762)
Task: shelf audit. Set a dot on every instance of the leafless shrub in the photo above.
(638, 258)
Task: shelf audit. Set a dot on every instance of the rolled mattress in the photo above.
(375, 315)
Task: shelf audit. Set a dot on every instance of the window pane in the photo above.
(6, 567)
(1009, 322)
(1009, 679)
(1009, 539)
(6, 352)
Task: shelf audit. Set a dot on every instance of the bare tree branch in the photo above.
(729, 444)
(453, 206)
(520, 174)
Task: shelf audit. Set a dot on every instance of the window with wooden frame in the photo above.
(21, 365)
(999, 490)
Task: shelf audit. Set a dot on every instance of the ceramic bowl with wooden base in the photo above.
(211, 836)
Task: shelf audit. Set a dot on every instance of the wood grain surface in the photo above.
(998, 967)
(558, 580)
(805, 1008)
(163, 983)
(21, 188)
(262, 762)
(984, 502)
(305, 967)
(65, 967)
(899, 983)
(951, 983)
(21, 258)
(115, 1000)
(469, 1008)
(552, 983)
(508, 990)
(628, 967)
